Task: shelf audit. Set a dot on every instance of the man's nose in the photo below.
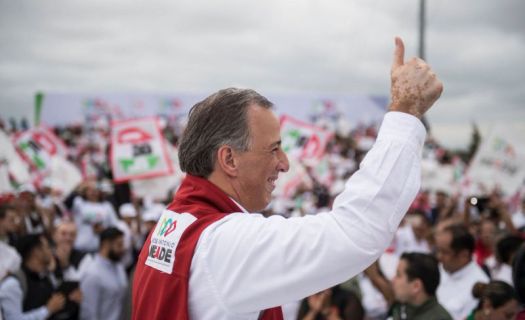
(284, 164)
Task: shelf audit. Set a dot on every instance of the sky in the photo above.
(476, 47)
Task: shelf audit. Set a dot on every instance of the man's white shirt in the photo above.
(455, 289)
(406, 241)
(245, 263)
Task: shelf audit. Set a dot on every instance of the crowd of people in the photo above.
(73, 256)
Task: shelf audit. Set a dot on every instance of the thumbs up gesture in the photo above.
(414, 87)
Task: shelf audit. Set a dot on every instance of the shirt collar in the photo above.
(105, 260)
(463, 272)
(239, 205)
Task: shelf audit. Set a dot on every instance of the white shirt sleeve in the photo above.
(11, 300)
(252, 263)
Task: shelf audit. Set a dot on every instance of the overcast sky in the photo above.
(476, 47)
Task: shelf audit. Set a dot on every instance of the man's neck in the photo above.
(222, 182)
(419, 299)
(104, 254)
(460, 268)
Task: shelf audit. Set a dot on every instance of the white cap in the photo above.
(27, 187)
(105, 186)
(153, 213)
(46, 183)
(127, 210)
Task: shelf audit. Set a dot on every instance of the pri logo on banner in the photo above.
(37, 146)
(165, 238)
(303, 141)
(138, 150)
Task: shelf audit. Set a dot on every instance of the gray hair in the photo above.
(220, 119)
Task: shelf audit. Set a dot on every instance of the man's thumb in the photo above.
(399, 54)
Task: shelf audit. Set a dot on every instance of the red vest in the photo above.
(157, 295)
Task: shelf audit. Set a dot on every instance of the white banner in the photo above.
(64, 176)
(288, 182)
(159, 188)
(138, 150)
(11, 164)
(499, 163)
(438, 177)
(45, 153)
(37, 146)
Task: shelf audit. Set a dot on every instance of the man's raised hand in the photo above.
(414, 87)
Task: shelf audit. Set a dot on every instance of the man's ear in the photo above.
(227, 161)
(417, 286)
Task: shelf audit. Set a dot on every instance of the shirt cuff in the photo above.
(403, 126)
(43, 312)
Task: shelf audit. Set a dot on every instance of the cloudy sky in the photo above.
(477, 47)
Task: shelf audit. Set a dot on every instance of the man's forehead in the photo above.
(444, 236)
(264, 125)
(66, 227)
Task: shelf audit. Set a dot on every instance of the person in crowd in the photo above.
(415, 235)
(414, 285)
(10, 259)
(49, 204)
(491, 207)
(30, 213)
(127, 224)
(91, 215)
(506, 249)
(105, 282)
(458, 271)
(331, 304)
(233, 264)
(150, 217)
(10, 224)
(375, 287)
(518, 218)
(497, 300)
(518, 279)
(30, 293)
(442, 208)
(69, 262)
(485, 244)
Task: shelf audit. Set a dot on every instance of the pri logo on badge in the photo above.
(167, 227)
(165, 238)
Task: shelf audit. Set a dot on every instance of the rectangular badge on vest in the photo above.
(165, 238)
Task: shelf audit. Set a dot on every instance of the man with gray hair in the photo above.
(207, 258)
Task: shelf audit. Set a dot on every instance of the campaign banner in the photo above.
(303, 141)
(498, 164)
(138, 150)
(288, 182)
(438, 177)
(64, 176)
(160, 188)
(12, 167)
(37, 146)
